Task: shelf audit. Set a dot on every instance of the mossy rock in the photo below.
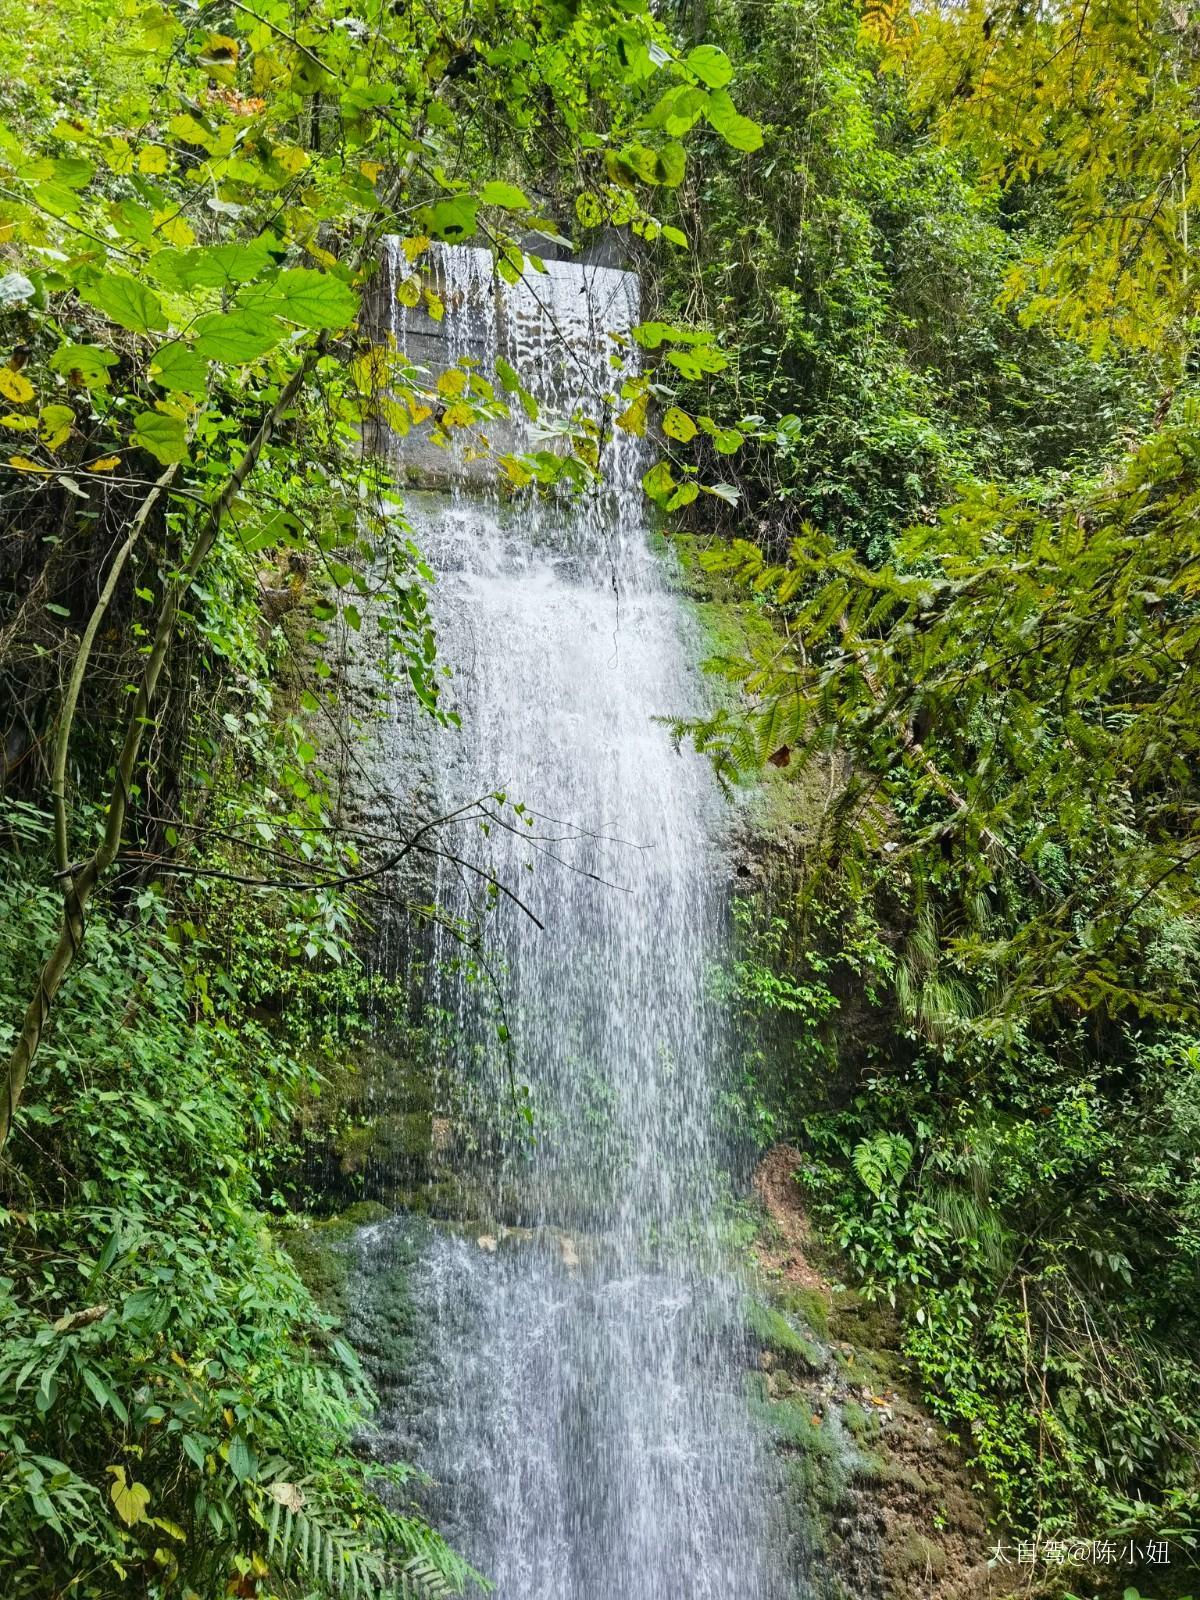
(774, 1332)
(868, 1324)
(318, 1252)
(917, 1554)
(399, 1144)
(812, 1306)
(861, 1424)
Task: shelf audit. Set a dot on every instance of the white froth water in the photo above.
(583, 1414)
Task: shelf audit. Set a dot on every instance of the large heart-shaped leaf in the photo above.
(164, 436)
(177, 368)
(710, 64)
(214, 267)
(126, 302)
(313, 299)
(237, 336)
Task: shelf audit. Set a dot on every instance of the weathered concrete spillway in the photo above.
(582, 1409)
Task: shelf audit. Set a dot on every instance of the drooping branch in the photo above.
(62, 738)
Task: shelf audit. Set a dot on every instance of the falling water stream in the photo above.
(581, 1409)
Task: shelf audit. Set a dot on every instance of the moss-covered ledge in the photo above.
(879, 1500)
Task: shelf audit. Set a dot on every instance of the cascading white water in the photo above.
(583, 1415)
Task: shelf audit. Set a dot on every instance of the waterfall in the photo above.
(582, 1409)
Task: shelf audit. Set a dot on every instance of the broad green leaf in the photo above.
(659, 483)
(683, 496)
(243, 1463)
(669, 165)
(710, 64)
(211, 267)
(453, 220)
(678, 110)
(505, 195)
(86, 364)
(696, 362)
(177, 368)
(163, 436)
(510, 382)
(739, 132)
(302, 294)
(126, 302)
(237, 336)
(74, 171)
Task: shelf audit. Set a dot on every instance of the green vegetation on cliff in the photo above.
(956, 295)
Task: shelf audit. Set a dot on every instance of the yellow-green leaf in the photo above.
(130, 1499)
(633, 418)
(678, 425)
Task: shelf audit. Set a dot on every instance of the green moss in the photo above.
(919, 1554)
(318, 1252)
(858, 1422)
(810, 1304)
(774, 1332)
(398, 1143)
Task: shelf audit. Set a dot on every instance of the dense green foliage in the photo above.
(958, 313)
(194, 203)
(177, 1411)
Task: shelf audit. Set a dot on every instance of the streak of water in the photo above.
(584, 1416)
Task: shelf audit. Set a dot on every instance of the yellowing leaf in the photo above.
(24, 464)
(452, 383)
(415, 247)
(371, 370)
(287, 1494)
(220, 48)
(153, 159)
(14, 387)
(175, 229)
(515, 471)
(291, 158)
(408, 292)
(130, 1499)
(325, 257)
(633, 418)
(105, 464)
(394, 415)
(678, 425)
(120, 155)
(18, 424)
(56, 423)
